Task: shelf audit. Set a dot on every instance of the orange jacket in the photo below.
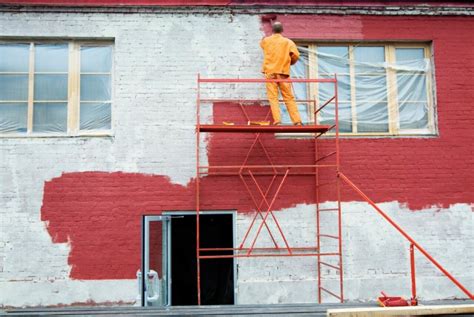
(278, 54)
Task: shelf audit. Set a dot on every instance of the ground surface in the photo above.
(236, 310)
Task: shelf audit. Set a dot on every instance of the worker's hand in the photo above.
(293, 58)
(294, 54)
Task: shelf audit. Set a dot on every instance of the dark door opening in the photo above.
(217, 275)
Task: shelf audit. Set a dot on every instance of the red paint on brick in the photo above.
(99, 213)
(417, 171)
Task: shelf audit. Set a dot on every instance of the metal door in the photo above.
(155, 255)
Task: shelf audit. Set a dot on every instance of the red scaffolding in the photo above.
(279, 175)
(261, 198)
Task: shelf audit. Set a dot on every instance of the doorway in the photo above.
(217, 275)
(171, 237)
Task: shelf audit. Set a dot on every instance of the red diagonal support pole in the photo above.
(403, 233)
(257, 213)
(258, 206)
(268, 209)
(271, 213)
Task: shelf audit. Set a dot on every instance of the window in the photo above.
(383, 89)
(55, 88)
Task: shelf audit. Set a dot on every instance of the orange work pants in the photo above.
(288, 98)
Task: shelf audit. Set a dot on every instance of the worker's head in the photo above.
(277, 27)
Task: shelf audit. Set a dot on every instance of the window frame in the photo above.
(73, 90)
(392, 89)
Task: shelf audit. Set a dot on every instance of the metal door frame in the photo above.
(145, 260)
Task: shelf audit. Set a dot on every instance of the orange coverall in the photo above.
(279, 53)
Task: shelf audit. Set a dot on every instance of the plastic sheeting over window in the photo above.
(14, 65)
(13, 117)
(381, 89)
(50, 88)
(35, 92)
(95, 108)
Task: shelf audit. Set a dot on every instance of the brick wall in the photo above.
(70, 206)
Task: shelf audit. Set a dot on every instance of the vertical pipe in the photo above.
(413, 273)
(318, 240)
(338, 188)
(198, 110)
(337, 120)
(339, 220)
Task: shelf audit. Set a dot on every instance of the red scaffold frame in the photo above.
(261, 197)
(285, 171)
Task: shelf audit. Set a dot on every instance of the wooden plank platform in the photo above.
(263, 128)
(431, 310)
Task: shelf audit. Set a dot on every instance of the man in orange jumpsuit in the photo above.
(279, 53)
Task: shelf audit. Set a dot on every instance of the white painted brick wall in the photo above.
(156, 62)
(376, 257)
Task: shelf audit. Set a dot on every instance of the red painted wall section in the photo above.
(418, 171)
(99, 213)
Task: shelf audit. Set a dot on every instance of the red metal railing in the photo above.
(261, 199)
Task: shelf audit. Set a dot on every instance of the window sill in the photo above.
(58, 136)
(357, 136)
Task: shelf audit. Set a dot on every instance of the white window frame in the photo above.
(73, 99)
